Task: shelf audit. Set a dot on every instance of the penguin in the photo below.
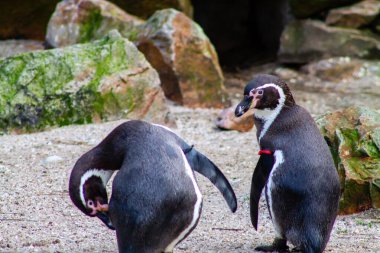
(295, 168)
(155, 201)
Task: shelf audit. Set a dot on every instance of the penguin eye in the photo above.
(260, 92)
(90, 203)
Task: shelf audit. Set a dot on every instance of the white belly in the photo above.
(279, 158)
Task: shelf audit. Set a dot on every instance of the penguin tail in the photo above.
(201, 164)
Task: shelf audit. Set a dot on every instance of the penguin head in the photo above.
(87, 189)
(94, 195)
(265, 93)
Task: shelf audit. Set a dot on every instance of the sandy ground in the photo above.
(36, 214)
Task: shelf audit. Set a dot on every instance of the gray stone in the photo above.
(355, 16)
(75, 21)
(344, 75)
(307, 40)
(52, 159)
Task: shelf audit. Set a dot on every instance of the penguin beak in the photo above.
(244, 106)
(103, 216)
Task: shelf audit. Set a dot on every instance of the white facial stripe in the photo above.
(197, 206)
(269, 115)
(104, 175)
(279, 159)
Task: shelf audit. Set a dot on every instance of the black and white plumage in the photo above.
(301, 182)
(155, 200)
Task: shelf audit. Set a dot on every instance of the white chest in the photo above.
(270, 186)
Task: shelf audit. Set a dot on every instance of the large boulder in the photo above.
(307, 8)
(185, 59)
(80, 21)
(353, 135)
(306, 40)
(355, 16)
(12, 47)
(104, 80)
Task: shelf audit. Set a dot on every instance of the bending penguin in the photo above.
(296, 168)
(155, 201)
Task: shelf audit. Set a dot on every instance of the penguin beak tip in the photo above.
(103, 216)
(239, 111)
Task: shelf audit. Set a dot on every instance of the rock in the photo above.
(345, 75)
(146, 8)
(227, 121)
(304, 9)
(334, 69)
(52, 159)
(355, 16)
(12, 47)
(25, 19)
(306, 40)
(104, 80)
(353, 135)
(185, 59)
(80, 21)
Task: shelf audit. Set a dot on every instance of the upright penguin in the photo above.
(155, 200)
(296, 167)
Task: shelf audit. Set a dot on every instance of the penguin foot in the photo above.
(278, 245)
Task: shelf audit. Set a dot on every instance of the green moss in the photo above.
(90, 26)
(369, 148)
(61, 86)
(353, 136)
(348, 142)
(355, 197)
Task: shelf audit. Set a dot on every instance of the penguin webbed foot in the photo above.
(278, 245)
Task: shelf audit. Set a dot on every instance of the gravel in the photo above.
(36, 213)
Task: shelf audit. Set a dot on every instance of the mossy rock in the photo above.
(353, 136)
(83, 21)
(103, 80)
(186, 60)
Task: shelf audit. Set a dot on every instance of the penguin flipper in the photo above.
(201, 164)
(259, 180)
